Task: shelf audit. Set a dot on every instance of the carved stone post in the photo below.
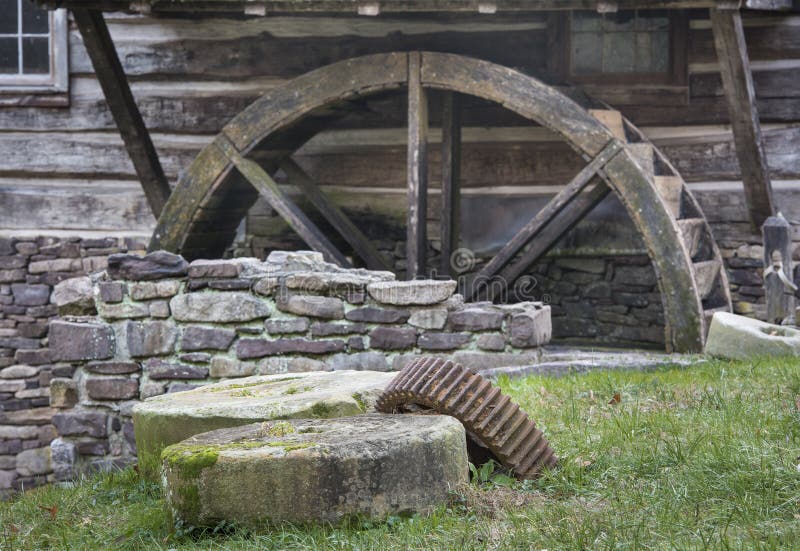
(778, 282)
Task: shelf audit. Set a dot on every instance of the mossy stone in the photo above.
(171, 418)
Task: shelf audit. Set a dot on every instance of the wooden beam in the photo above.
(737, 80)
(290, 212)
(485, 288)
(119, 98)
(451, 176)
(334, 215)
(416, 232)
(550, 211)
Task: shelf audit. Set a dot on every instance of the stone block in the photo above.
(112, 292)
(199, 269)
(741, 338)
(30, 295)
(156, 265)
(313, 306)
(392, 338)
(326, 329)
(290, 364)
(429, 318)
(159, 309)
(151, 338)
(207, 338)
(121, 311)
(113, 368)
(228, 367)
(19, 372)
(195, 357)
(74, 297)
(476, 319)
(146, 290)
(218, 307)
(70, 341)
(443, 341)
(415, 292)
(22, 432)
(287, 326)
(81, 423)
(162, 369)
(491, 341)
(530, 328)
(38, 357)
(258, 348)
(63, 456)
(33, 462)
(112, 388)
(373, 314)
(360, 361)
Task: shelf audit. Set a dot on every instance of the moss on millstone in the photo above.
(321, 409)
(289, 446)
(291, 390)
(280, 428)
(189, 460)
(362, 405)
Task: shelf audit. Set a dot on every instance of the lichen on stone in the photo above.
(279, 428)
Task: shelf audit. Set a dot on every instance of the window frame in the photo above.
(21, 89)
(676, 75)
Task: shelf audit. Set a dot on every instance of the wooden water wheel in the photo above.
(202, 213)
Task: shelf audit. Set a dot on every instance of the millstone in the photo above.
(170, 418)
(740, 338)
(308, 470)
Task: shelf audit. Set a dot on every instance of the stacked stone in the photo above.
(30, 268)
(157, 324)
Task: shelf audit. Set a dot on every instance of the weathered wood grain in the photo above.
(120, 101)
(738, 84)
(451, 179)
(417, 172)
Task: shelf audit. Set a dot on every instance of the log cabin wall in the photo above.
(65, 171)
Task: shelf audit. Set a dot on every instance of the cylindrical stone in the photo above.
(316, 470)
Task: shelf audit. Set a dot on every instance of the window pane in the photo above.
(587, 53)
(619, 53)
(34, 20)
(653, 20)
(9, 58)
(644, 53)
(35, 56)
(621, 21)
(660, 52)
(8, 17)
(583, 21)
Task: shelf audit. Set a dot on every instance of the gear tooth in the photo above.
(487, 421)
(491, 418)
(485, 403)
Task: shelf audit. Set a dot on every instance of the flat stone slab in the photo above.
(170, 418)
(737, 337)
(316, 470)
(421, 292)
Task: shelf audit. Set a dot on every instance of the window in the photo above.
(626, 47)
(33, 49)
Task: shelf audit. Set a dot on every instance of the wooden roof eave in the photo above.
(374, 7)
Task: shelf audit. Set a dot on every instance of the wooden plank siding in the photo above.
(190, 77)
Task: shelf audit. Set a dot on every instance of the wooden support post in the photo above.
(416, 232)
(108, 68)
(334, 215)
(737, 80)
(290, 212)
(778, 284)
(451, 175)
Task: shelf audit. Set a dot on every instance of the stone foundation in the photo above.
(157, 324)
(30, 267)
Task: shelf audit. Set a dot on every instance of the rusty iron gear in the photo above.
(496, 426)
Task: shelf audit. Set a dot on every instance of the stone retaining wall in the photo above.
(29, 269)
(156, 324)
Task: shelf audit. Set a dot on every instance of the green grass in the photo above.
(703, 457)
